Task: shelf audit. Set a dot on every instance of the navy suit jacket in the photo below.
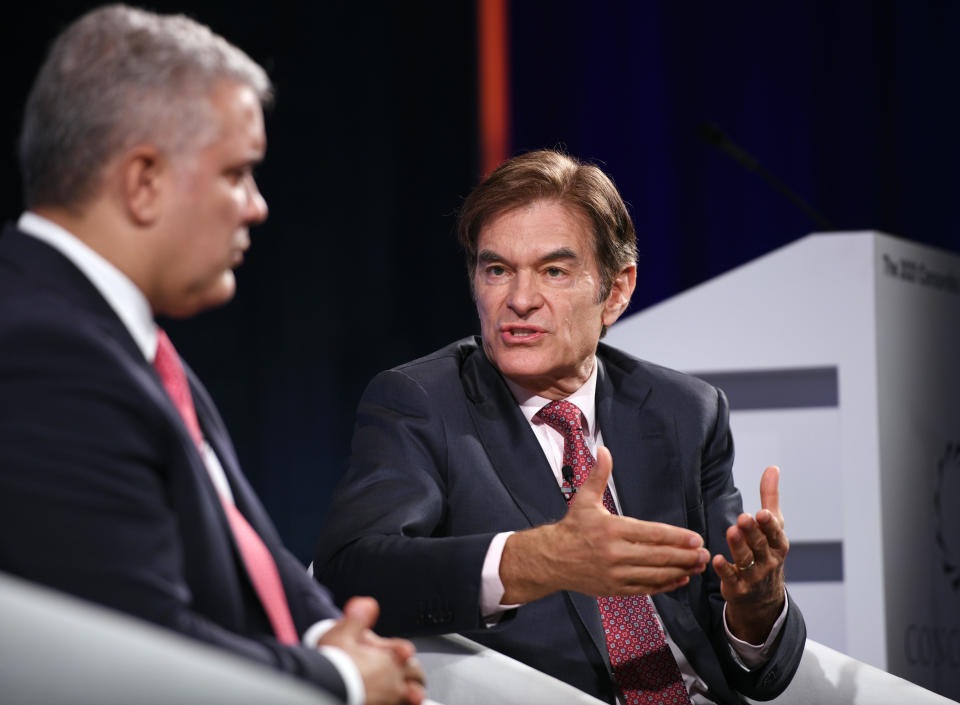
(443, 459)
(102, 491)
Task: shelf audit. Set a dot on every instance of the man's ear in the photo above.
(141, 171)
(620, 293)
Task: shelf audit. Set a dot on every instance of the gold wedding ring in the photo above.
(745, 568)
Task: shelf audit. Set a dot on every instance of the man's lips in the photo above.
(241, 246)
(519, 333)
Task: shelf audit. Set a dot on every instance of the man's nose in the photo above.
(525, 294)
(257, 209)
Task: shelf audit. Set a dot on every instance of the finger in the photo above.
(673, 586)
(657, 533)
(362, 611)
(632, 555)
(655, 588)
(413, 671)
(402, 649)
(414, 694)
(725, 569)
(650, 581)
(741, 549)
(594, 486)
(772, 529)
(770, 491)
(755, 537)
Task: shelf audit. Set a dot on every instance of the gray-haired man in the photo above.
(118, 480)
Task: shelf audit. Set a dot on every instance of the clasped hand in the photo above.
(390, 672)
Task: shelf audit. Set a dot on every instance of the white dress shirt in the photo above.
(551, 441)
(133, 310)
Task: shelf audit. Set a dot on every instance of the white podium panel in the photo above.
(840, 354)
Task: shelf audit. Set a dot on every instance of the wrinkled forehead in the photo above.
(536, 229)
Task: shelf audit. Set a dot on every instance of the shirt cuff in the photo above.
(356, 694)
(491, 587)
(749, 656)
(349, 673)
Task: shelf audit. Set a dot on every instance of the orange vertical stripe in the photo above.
(493, 44)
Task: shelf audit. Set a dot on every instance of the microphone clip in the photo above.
(567, 488)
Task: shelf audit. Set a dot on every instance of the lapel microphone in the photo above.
(568, 489)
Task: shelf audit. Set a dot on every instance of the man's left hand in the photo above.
(753, 584)
(391, 673)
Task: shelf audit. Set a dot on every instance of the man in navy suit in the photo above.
(118, 481)
(482, 498)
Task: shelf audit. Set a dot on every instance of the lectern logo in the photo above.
(946, 500)
(917, 272)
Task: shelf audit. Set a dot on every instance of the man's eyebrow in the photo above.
(488, 256)
(559, 253)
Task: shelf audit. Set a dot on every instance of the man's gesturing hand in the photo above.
(753, 584)
(391, 674)
(597, 553)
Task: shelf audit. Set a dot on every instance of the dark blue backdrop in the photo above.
(852, 104)
(373, 145)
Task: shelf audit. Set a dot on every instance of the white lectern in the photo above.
(840, 354)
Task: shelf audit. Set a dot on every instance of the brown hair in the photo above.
(549, 175)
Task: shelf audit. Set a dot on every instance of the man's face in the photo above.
(212, 201)
(537, 284)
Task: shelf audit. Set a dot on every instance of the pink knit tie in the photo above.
(260, 565)
(643, 667)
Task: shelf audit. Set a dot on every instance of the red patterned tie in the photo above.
(256, 557)
(643, 666)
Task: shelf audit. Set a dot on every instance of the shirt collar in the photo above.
(120, 293)
(585, 399)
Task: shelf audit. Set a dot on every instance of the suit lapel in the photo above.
(645, 467)
(510, 444)
(215, 433)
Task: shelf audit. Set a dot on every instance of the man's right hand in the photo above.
(391, 674)
(596, 553)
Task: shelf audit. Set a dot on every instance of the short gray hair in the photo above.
(116, 77)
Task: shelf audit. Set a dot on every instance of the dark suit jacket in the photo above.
(103, 493)
(443, 459)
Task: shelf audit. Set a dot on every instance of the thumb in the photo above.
(594, 486)
(362, 612)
